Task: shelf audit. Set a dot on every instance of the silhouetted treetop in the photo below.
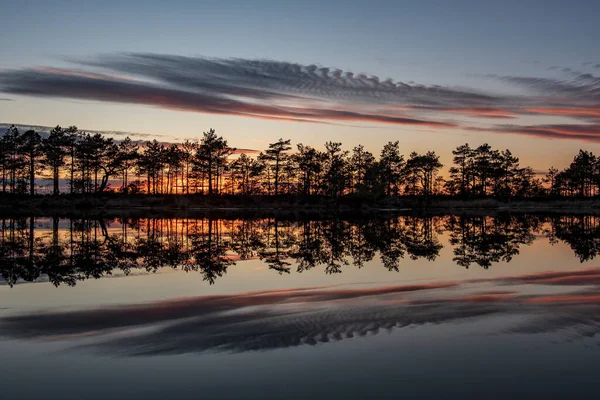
(82, 163)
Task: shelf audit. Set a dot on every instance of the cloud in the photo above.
(175, 84)
(570, 112)
(586, 132)
(583, 132)
(494, 113)
(292, 92)
(580, 87)
(45, 130)
(267, 79)
(137, 138)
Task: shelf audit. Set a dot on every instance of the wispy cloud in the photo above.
(285, 91)
(45, 130)
(136, 137)
(587, 132)
(227, 87)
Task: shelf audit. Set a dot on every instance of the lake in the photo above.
(452, 306)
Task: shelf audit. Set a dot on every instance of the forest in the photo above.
(69, 161)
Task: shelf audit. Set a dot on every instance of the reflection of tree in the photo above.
(390, 245)
(335, 234)
(276, 251)
(17, 258)
(121, 254)
(93, 248)
(89, 249)
(580, 232)
(246, 239)
(308, 251)
(359, 247)
(420, 239)
(208, 253)
(486, 240)
(67, 251)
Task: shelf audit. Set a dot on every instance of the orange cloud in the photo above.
(587, 132)
(482, 112)
(575, 112)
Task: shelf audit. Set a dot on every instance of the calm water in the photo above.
(404, 307)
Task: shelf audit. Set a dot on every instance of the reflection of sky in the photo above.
(474, 345)
(564, 302)
(424, 362)
(255, 275)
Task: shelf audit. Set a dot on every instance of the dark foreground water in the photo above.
(403, 307)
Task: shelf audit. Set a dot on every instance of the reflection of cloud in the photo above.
(583, 298)
(588, 276)
(137, 315)
(264, 330)
(306, 316)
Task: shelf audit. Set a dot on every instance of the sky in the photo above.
(433, 75)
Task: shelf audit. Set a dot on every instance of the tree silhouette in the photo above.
(31, 147)
(336, 169)
(275, 156)
(55, 153)
(461, 180)
(309, 162)
(420, 170)
(93, 163)
(13, 162)
(361, 162)
(127, 156)
(211, 158)
(391, 164)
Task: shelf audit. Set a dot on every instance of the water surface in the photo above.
(502, 306)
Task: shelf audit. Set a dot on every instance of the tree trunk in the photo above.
(276, 177)
(72, 170)
(210, 191)
(32, 176)
(55, 181)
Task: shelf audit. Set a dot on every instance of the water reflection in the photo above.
(70, 250)
(484, 241)
(293, 317)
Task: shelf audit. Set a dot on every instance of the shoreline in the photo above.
(118, 204)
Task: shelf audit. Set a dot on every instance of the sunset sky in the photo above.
(430, 74)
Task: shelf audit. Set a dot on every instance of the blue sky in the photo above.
(457, 45)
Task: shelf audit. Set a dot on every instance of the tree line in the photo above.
(76, 162)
